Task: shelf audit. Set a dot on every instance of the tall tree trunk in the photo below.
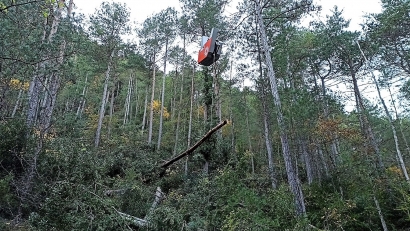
(17, 104)
(35, 88)
(111, 113)
(161, 118)
(308, 160)
(217, 97)
(179, 114)
(145, 109)
(180, 100)
(293, 180)
(231, 119)
(268, 144)
(389, 117)
(55, 80)
(82, 97)
(127, 104)
(137, 98)
(249, 133)
(265, 116)
(190, 118)
(151, 112)
(103, 100)
(400, 122)
(323, 159)
(174, 91)
(366, 125)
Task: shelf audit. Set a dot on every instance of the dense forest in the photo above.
(102, 132)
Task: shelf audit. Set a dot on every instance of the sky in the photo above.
(140, 10)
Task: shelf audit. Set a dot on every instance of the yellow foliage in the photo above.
(166, 113)
(156, 106)
(394, 170)
(17, 84)
(201, 110)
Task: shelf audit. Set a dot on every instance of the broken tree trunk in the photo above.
(145, 222)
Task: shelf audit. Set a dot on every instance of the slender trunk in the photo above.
(268, 144)
(145, 109)
(217, 97)
(323, 160)
(35, 87)
(137, 98)
(83, 103)
(293, 180)
(233, 150)
(190, 117)
(17, 104)
(366, 124)
(335, 153)
(161, 118)
(180, 100)
(179, 115)
(389, 117)
(400, 122)
(308, 161)
(151, 112)
(379, 211)
(82, 97)
(111, 113)
(55, 80)
(265, 116)
(127, 102)
(249, 134)
(174, 87)
(103, 101)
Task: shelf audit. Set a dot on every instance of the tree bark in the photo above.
(151, 112)
(82, 97)
(17, 104)
(111, 113)
(103, 100)
(127, 104)
(293, 180)
(366, 125)
(145, 109)
(190, 117)
(379, 211)
(180, 101)
(161, 118)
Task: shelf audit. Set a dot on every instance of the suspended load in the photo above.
(210, 49)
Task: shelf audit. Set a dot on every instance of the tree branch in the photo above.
(191, 149)
(4, 9)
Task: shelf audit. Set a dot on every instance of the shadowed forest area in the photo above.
(293, 128)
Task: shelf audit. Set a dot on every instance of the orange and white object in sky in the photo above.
(210, 49)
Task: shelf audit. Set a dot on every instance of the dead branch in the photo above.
(191, 149)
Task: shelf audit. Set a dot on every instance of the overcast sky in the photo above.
(140, 10)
